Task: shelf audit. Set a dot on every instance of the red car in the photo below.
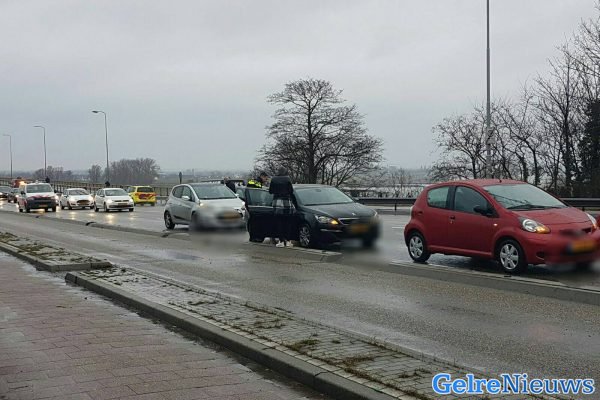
(513, 222)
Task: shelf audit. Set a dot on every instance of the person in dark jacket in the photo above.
(229, 183)
(281, 188)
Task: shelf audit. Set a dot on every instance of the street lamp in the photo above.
(45, 159)
(10, 147)
(488, 118)
(106, 136)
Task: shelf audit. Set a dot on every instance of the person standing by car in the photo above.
(259, 182)
(281, 188)
(227, 182)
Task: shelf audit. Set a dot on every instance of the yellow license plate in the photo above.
(583, 246)
(231, 215)
(359, 228)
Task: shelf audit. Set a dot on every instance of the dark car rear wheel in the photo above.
(511, 256)
(305, 236)
(417, 247)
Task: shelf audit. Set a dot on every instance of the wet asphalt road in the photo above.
(390, 246)
(490, 329)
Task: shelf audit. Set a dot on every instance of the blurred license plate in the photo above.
(231, 215)
(359, 228)
(583, 246)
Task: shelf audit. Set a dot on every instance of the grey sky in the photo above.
(185, 82)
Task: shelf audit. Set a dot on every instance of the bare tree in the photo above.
(141, 171)
(557, 103)
(316, 137)
(398, 180)
(53, 173)
(95, 173)
(462, 141)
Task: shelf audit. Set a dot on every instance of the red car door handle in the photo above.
(452, 217)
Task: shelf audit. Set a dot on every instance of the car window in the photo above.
(41, 188)
(99, 192)
(314, 196)
(144, 189)
(259, 197)
(130, 189)
(187, 192)
(213, 192)
(523, 197)
(177, 191)
(76, 192)
(466, 199)
(438, 197)
(115, 192)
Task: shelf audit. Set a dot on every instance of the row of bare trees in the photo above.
(141, 171)
(548, 136)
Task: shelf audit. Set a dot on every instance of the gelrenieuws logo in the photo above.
(510, 384)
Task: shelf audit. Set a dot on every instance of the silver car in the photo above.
(203, 205)
(77, 197)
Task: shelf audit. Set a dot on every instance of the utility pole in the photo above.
(10, 149)
(488, 118)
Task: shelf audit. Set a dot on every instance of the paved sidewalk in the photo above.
(61, 342)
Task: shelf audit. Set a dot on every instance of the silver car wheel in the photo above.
(415, 246)
(509, 256)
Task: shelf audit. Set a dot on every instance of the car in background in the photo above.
(76, 198)
(142, 195)
(513, 222)
(13, 195)
(324, 215)
(4, 192)
(203, 205)
(109, 199)
(35, 196)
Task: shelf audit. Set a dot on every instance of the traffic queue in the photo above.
(517, 224)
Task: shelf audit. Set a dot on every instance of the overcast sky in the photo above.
(185, 82)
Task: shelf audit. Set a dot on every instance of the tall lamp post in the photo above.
(45, 159)
(10, 149)
(488, 118)
(106, 137)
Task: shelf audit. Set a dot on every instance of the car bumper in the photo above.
(558, 249)
(211, 221)
(119, 206)
(33, 204)
(329, 234)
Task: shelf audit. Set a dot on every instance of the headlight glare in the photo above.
(533, 226)
(593, 221)
(326, 220)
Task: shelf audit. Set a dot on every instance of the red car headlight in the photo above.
(533, 226)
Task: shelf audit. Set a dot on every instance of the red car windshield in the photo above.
(523, 197)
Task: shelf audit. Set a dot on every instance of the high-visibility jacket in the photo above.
(254, 184)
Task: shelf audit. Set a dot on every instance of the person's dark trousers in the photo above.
(282, 208)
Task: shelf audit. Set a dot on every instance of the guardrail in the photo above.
(163, 190)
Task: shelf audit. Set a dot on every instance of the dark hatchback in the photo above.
(324, 215)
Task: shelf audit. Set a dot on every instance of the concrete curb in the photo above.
(536, 287)
(40, 264)
(301, 371)
(306, 254)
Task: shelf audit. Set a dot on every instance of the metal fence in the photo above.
(163, 190)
